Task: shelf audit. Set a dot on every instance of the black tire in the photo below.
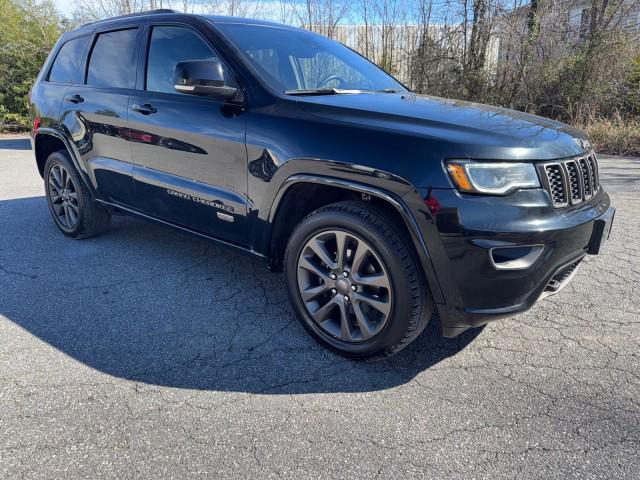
(89, 218)
(411, 303)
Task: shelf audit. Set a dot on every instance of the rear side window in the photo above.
(112, 62)
(67, 67)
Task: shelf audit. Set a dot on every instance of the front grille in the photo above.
(571, 182)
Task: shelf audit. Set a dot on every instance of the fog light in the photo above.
(515, 257)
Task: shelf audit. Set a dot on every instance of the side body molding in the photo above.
(394, 200)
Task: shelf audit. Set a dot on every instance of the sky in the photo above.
(269, 9)
(65, 6)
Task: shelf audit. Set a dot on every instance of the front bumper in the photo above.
(462, 229)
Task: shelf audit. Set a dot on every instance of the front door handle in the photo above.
(145, 109)
(75, 99)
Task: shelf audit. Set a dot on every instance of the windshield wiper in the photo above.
(319, 91)
(335, 91)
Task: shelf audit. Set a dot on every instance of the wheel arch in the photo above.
(49, 140)
(283, 224)
(45, 144)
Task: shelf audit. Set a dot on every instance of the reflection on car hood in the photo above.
(483, 131)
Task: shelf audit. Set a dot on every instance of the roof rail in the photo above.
(136, 14)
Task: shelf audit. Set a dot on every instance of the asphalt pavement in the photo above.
(148, 353)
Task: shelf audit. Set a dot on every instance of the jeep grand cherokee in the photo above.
(379, 204)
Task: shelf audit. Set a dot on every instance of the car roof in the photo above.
(245, 21)
(172, 14)
(166, 14)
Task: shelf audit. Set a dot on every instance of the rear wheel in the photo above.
(354, 281)
(70, 202)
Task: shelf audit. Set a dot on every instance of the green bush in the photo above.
(29, 30)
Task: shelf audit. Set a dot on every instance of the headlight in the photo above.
(493, 178)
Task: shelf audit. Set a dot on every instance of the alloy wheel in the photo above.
(344, 286)
(63, 196)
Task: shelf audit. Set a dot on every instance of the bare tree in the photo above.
(322, 16)
(561, 58)
(236, 8)
(476, 53)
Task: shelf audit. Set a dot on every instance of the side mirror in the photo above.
(202, 77)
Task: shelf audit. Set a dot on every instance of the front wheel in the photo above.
(354, 281)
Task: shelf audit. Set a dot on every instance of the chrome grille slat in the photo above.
(586, 177)
(556, 184)
(595, 180)
(572, 181)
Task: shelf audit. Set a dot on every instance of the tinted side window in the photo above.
(67, 67)
(168, 47)
(112, 62)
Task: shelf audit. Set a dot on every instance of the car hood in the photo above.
(482, 131)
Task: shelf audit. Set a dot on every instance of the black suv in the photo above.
(380, 205)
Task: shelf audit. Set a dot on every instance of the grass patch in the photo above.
(615, 137)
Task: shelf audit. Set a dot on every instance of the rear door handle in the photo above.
(145, 109)
(75, 99)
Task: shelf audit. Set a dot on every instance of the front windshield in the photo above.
(291, 59)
